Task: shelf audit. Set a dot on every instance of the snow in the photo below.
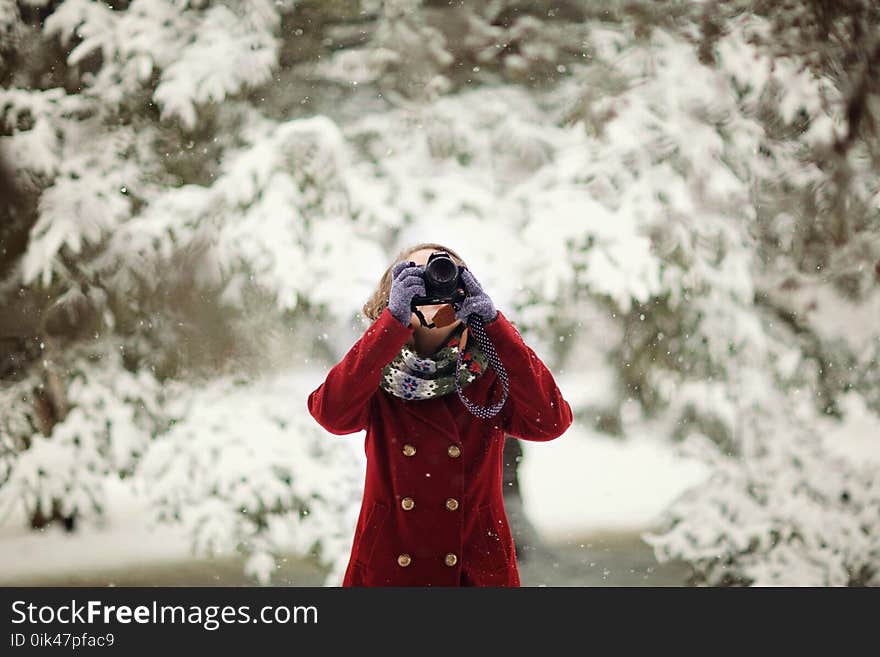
(584, 483)
(857, 438)
(122, 539)
(651, 183)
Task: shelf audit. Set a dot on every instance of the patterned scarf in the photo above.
(411, 376)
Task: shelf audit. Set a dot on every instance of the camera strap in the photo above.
(475, 324)
(422, 319)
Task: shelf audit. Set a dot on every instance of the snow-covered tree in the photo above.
(794, 496)
(682, 192)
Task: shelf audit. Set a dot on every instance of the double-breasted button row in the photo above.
(454, 451)
(450, 559)
(409, 503)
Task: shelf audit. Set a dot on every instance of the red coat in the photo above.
(433, 511)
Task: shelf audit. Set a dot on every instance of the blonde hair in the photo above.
(378, 301)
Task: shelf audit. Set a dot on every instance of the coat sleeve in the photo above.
(535, 408)
(341, 404)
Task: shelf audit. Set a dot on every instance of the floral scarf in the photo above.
(411, 376)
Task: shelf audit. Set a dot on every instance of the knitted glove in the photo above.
(476, 302)
(407, 280)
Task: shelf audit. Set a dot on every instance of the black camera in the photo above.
(442, 281)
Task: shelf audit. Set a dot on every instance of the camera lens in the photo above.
(441, 275)
(442, 270)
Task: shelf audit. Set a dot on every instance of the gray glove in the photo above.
(407, 280)
(476, 302)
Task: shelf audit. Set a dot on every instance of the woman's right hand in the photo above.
(407, 280)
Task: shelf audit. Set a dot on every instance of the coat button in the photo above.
(454, 451)
(404, 560)
(451, 559)
(452, 504)
(408, 450)
(407, 503)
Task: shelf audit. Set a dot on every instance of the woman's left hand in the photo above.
(476, 302)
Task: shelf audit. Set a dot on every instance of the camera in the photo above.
(442, 281)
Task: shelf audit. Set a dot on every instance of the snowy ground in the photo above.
(582, 484)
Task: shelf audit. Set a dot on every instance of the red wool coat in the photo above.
(433, 511)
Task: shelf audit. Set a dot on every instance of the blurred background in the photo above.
(677, 203)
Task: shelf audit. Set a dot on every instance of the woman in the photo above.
(432, 512)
